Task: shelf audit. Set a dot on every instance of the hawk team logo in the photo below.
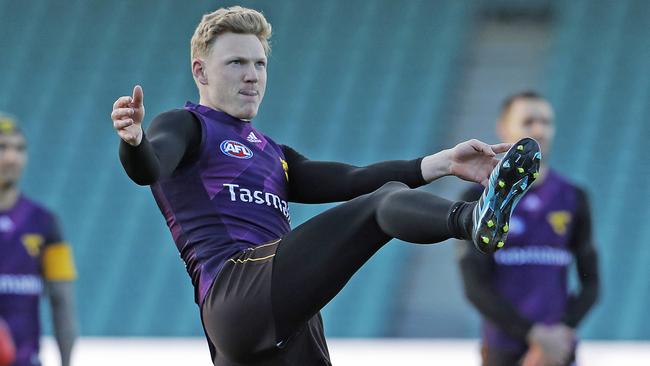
(559, 221)
(236, 149)
(32, 243)
(285, 167)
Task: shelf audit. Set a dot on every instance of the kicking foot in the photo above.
(509, 180)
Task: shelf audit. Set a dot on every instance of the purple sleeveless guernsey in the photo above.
(531, 271)
(233, 196)
(25, 231)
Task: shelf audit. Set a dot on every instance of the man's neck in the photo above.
(204, 102)
(8, 197)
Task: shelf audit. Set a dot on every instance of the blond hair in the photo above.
(235, 19)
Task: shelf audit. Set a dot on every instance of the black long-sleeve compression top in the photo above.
(173, 139)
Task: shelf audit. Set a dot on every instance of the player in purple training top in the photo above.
(527, 310)
(224, 187)
(33, 259)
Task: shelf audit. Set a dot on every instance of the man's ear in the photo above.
(198, 70)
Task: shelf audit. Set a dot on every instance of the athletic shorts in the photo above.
(238, 318)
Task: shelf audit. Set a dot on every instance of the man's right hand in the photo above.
(555, 341)
(127, 116)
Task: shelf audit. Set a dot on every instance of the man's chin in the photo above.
(246, 114)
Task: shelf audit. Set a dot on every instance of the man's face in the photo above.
(528, 118)
(13, 157)
(235, 73)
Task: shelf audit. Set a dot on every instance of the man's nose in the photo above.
(250, 74)
(538, 130)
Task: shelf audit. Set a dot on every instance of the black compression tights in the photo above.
(314, 261)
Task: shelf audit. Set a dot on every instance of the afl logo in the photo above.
(236, 149)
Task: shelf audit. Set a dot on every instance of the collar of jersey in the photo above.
(215, 114)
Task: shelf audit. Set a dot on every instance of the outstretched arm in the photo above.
(322, 181)
(171, 137)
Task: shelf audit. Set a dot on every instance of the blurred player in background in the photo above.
(34, 259)
(224, 188)
(522, 292)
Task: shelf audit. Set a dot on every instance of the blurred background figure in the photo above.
(526, 304)
(34, 259)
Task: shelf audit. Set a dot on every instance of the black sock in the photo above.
(460, 221)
